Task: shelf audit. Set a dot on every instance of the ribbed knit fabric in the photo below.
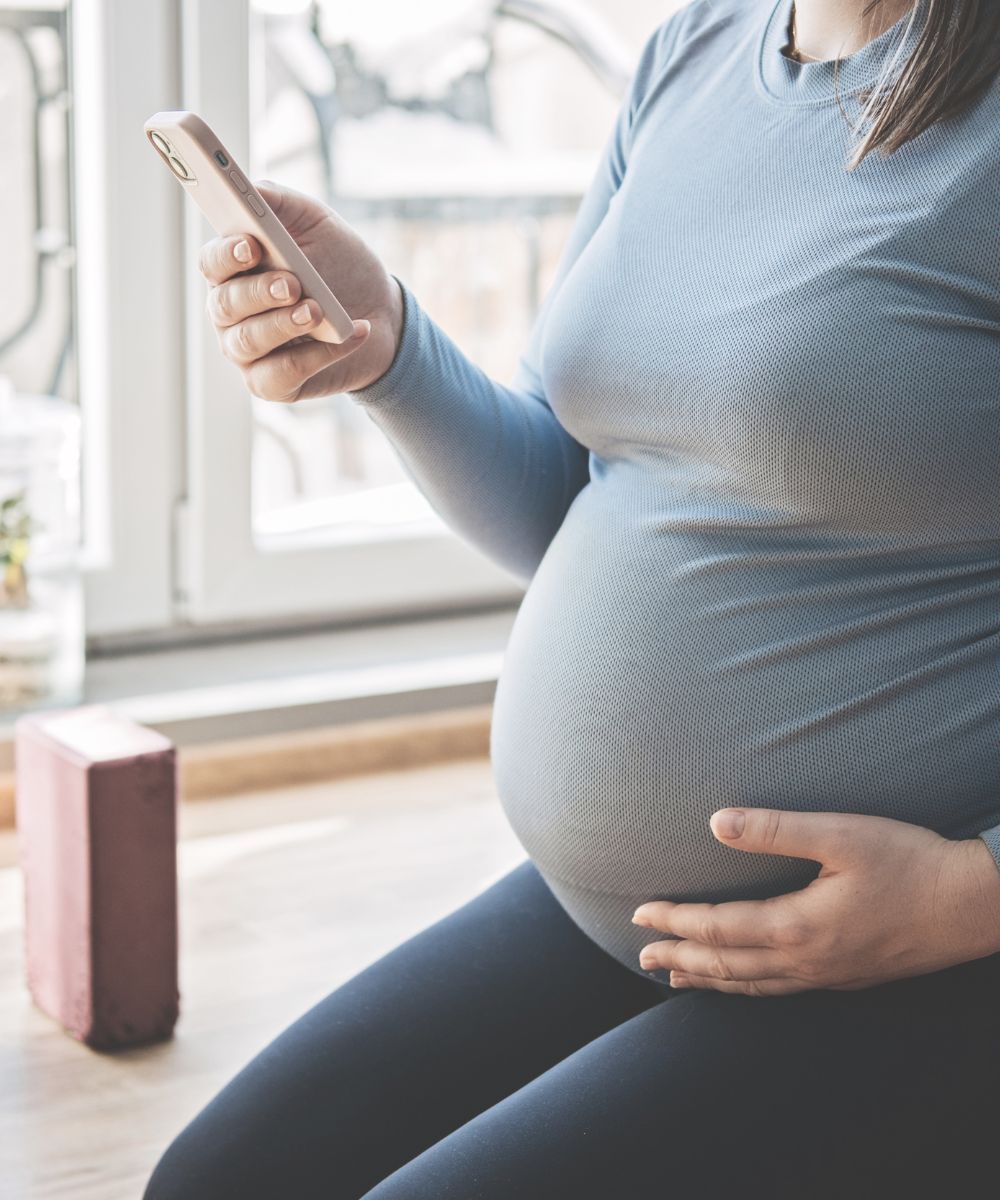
(750, 464)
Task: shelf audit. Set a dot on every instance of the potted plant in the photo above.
(15, 544)
(41, 592)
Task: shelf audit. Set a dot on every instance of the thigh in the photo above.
(885, 1092)
(420, 1041)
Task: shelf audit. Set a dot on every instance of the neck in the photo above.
(827, 29)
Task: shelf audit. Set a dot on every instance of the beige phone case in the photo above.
(213, 179)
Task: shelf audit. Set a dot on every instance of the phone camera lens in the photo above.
(221, 159)
(178, 168)
(160, 142)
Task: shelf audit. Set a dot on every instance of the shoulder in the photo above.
(697, 27)
(700, 19)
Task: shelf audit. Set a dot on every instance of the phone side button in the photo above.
(256, 205)
(240, 182)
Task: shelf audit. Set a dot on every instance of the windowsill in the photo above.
(291, 682)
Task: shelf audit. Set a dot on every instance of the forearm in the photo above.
(493, 461)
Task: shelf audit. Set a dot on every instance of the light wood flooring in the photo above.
(284, 894)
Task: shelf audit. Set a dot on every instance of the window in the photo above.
(37, 345)
(424, 126)
(455, 135)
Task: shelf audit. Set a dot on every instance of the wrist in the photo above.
(387, 335)
(396, 328)
(976, 891)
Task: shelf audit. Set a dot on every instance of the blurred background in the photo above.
(260, 584)
(457, 135)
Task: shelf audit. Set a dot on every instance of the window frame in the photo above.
(223, 576)
(168, 542)
(127, 292)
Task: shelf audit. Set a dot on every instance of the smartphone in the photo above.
(214, 181)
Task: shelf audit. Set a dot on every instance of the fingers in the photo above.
(750, 987)
(732, 923)
(249, 295)
(692, 958)
(257, 336)
(222, 258)
(281, 375)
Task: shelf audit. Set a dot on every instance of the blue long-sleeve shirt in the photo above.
(750, 465)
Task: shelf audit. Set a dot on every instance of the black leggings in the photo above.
(502, 1055)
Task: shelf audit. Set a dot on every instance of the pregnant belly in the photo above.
(658, 671)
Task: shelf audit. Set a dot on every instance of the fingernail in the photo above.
(302, 315)
(678, 981)
(242, 252)
(362, 329)
(647, 961)
(639, 919)
(279, 289)
(729, 824)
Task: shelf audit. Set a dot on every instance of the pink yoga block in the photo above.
(97, 831)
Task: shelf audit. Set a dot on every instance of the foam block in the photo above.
(97, 833)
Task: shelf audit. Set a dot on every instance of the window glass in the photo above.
(36, 314)
(457, 136)
(41, 623)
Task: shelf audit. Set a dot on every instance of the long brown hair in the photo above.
(954, 60)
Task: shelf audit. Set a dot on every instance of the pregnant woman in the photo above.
(748, 724)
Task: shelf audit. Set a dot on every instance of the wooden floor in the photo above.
(283, 896)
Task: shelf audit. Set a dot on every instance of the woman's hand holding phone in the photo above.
(263, 325)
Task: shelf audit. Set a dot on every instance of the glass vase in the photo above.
(41, 596)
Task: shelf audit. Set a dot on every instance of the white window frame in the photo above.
(167, 422)
(224, 576)
(128, 229)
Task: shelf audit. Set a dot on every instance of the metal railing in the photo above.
(50, 244)
(337, 84)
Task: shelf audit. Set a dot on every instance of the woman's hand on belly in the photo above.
(892, 900)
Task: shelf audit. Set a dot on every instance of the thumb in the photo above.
(815, 835)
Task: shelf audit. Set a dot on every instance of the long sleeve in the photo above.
(493, 460)
(992, 839)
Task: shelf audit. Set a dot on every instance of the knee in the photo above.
(226, 1154)
(171, 1177)
(199, 1167)
(179, 1172)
